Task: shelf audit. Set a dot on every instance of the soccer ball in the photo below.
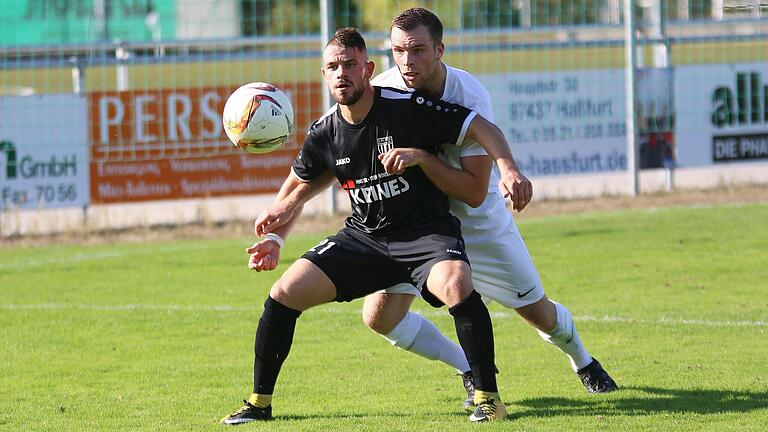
(258, 117)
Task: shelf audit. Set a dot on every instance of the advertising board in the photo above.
(722, 113)
(43, 152)
(170, 144)
(562, 122)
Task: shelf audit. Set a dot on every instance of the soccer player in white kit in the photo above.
(502, 269)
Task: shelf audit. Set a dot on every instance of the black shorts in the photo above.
(359, 264)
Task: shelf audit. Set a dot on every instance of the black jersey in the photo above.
(385, 204)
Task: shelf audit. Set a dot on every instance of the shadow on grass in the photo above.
(652, 401)
(347, 415)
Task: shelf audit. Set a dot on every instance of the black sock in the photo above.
(274, 337)
(475, 333)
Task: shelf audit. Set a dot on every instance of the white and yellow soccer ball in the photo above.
(258, 117)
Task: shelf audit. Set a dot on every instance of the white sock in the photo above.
(419, 336)
(565, 337)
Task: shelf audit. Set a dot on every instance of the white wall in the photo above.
(114, 216)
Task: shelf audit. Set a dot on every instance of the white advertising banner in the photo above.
(722, 113)
(43, 152)
(560, 123)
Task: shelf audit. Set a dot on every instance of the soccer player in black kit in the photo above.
(400, 229)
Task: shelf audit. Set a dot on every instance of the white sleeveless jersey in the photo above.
(484, 222)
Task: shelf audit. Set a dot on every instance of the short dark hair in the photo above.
(348, 37)
(411, 18)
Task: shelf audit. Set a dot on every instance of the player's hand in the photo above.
(397, 160)
(515, 185)
(263, 255)
(271, 218)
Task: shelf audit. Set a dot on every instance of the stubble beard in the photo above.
(350, 98)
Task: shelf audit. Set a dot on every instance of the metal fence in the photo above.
(118, 101)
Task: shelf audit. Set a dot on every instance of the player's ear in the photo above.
(440, 49)
(369, 68)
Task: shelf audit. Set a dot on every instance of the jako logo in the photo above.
(10, 158)
(751, 102)
(343, 161)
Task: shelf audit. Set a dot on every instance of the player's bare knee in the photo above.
(450, 282)
(370, 318)
(381, 320)
(542, 314)
(371, 311)
(382, 312)
(379, 324)
(458, 287)
(281, 292)
(457, 291)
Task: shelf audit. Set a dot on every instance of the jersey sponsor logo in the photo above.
(342, 161)
(377, 192)
(385, 144)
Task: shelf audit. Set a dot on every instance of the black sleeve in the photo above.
(448, 122)
(310, 163)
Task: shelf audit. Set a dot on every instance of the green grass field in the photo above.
(159, 336)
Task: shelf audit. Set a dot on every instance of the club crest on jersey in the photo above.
(385, 144)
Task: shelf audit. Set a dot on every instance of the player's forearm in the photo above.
(294, 193)
(490, 137)
(300, 192)
(297, 193)
(469, 185)
(284, 230)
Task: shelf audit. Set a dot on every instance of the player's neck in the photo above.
(356, 113)
(436, 86)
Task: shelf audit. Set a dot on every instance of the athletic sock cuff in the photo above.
(472, 304)
(260, 400)
(277, 310)
(405, 332)
(482, 396)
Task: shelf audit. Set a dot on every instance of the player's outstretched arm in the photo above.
(292, 196)
(264, 255)
(469, 184)
(513, 183)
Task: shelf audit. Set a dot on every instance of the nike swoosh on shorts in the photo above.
(521, 295)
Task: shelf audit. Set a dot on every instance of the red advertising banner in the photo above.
(170, 144)
(173, 178)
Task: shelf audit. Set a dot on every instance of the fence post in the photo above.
(78, 74)
(326, 29)
(630, 61)
(122, 54)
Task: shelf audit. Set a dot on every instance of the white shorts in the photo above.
(502, 268)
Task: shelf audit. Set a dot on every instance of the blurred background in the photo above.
(110, 109)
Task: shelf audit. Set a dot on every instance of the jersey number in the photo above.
(323, 246)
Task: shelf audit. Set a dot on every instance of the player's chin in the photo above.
(412, 81)
(343, 95)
